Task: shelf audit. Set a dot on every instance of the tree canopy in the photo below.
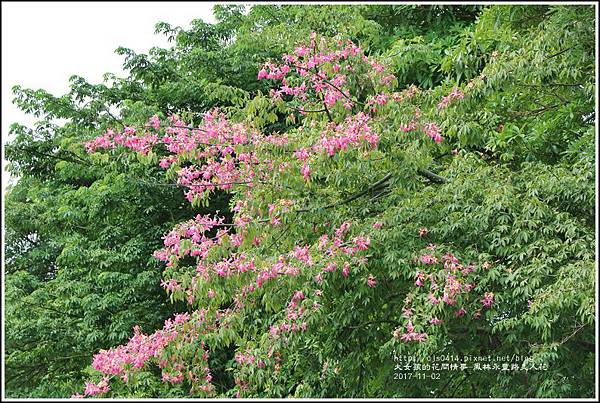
(295, 200)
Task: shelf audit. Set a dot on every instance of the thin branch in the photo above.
(351, 198)
(307, 111)
(538, 111)
(431, 176)
(53, 310)
(326, 81)
(550, 85)
(558, 53)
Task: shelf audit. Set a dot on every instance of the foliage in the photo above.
(361, 218)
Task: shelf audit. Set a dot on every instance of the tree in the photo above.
(367, 218)
(315, 292)
(56, 258)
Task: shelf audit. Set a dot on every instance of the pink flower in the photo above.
(305, 171)
(303, 255)
(488, 299)
(323, 239)
(302, 154)
(432, 299)
(371, 282)
(433, 131)
(164, 163)
(155, 122)
(460, 312)
(435, 321)
(362, 243)
(346, 269)
(211, 293)
(377, 225)
(262, 74)
(420, 278)
(342, 229)
(301, 51)
(182, 317)
(428, 258)
(330, 266)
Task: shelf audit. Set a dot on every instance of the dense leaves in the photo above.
(425, 186)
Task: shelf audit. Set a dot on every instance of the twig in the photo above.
(431, 176)
(351, 198)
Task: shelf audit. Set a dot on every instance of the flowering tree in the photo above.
(318, 238)
(299, 249)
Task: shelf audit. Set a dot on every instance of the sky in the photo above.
(43, 43)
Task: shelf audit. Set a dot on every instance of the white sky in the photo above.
(43, 44)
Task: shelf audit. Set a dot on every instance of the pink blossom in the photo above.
(164, 163)
(305, 171)
(303, 254)
(155, 122)
(339, 232)
(362, 243)
(410, 334)
(323, 239)
(302, 154)
(433, 131)
(428, 259)
(346, 269)
(371, 282)
(488, 299)
(432, 299)
(331, 266)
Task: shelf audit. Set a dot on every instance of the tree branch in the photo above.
(353, 197)
(431, 176)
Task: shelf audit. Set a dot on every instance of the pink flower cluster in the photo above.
(193, 231)
(488, 299)
(143, 348)
(456, 93)
(410, 334)
(136, 352)
(215, 142)
(371, 281)
(128, 139)
(353, 132)
(457, 280)
(321, 73)
(433, 131)
(248, 358)
(294, 317)
(92, 389)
